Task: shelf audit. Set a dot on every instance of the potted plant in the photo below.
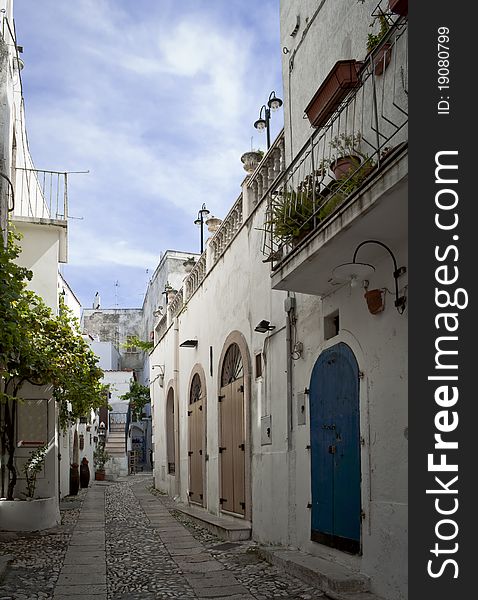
(382, 58)
(291, 217)
(213, 224)
(32, 467)
(251, 159)
(100, 458)
(399, 7)
(189, 263)
(346, 157)
(169, 291)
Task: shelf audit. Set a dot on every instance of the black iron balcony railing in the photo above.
(370, 123)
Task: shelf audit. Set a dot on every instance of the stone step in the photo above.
(226, 528)
(336, 581)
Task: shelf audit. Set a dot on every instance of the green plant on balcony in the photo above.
(374, 39)
(346, 155)
(291, 216)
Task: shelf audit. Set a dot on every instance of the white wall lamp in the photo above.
(355, 272)
(161, 374)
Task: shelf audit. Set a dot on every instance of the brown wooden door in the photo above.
(196, 441)
(232, 434)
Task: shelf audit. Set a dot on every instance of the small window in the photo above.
(130, 347)
(258, 365)
(331, 325)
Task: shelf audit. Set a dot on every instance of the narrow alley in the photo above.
(123, 541)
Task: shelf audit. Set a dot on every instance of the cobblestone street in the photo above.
(124, 541)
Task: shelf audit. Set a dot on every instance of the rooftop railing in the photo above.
(343, 153)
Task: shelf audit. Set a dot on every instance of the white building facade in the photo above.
(279, 384)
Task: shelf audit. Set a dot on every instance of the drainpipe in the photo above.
(177, 432)
(289, 306)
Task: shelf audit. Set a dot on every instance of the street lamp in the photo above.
(262, 123)
(200, 222)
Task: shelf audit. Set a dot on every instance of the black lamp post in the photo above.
(262, 123)
(200, 222)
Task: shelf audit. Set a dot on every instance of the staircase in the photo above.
(115, 444)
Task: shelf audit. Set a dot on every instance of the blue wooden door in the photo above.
(335, 449)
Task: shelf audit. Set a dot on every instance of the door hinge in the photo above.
(206, 457)
(242, 505)
(309, 505)
(190, 493)
(190, 453)
(307, 447)
(200, 407)
(361, 374)
(241, 388)
(220, 398)
(222, 500)
(362, 515)
(201, 496)
(362, 440)
(306, 391)
(190, 412)
(242, 447)
(221, 449)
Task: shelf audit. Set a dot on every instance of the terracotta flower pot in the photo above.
(374, 300)
(399, 7)
(344, 166)
(382, 59)
(99, 475)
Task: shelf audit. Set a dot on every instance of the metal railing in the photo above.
(337, 160)
(41, 194)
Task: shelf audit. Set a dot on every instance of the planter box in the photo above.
(29, 515)
(342, 78)
(399, 7)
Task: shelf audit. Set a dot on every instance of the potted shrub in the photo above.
(189, 263)
(100, 458)
(346, 157)
(291, 217)
(251, 159)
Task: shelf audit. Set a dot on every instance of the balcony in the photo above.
(41, 194)
(348, 182)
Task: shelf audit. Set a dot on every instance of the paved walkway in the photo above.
(127, 543)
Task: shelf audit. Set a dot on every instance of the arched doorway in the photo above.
(232, 432)
(196, 436)
(170, 437)
(335, 449)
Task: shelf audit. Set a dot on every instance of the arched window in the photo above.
(232, 367)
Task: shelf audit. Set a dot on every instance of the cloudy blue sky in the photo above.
(157, 99)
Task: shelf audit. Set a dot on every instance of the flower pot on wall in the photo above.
(342, 78)
(99, 475)
(399, 7)
(382, 58)
(250, 160)
(374, 300)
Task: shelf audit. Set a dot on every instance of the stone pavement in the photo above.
(129, 543)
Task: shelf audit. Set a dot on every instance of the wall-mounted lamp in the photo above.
(189, 344)
(161, 374)
(262, 123)
(264, 326)
(355, 272)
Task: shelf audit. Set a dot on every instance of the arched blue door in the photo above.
(335, 449)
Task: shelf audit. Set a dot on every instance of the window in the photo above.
(258, 365)
(331, 325)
